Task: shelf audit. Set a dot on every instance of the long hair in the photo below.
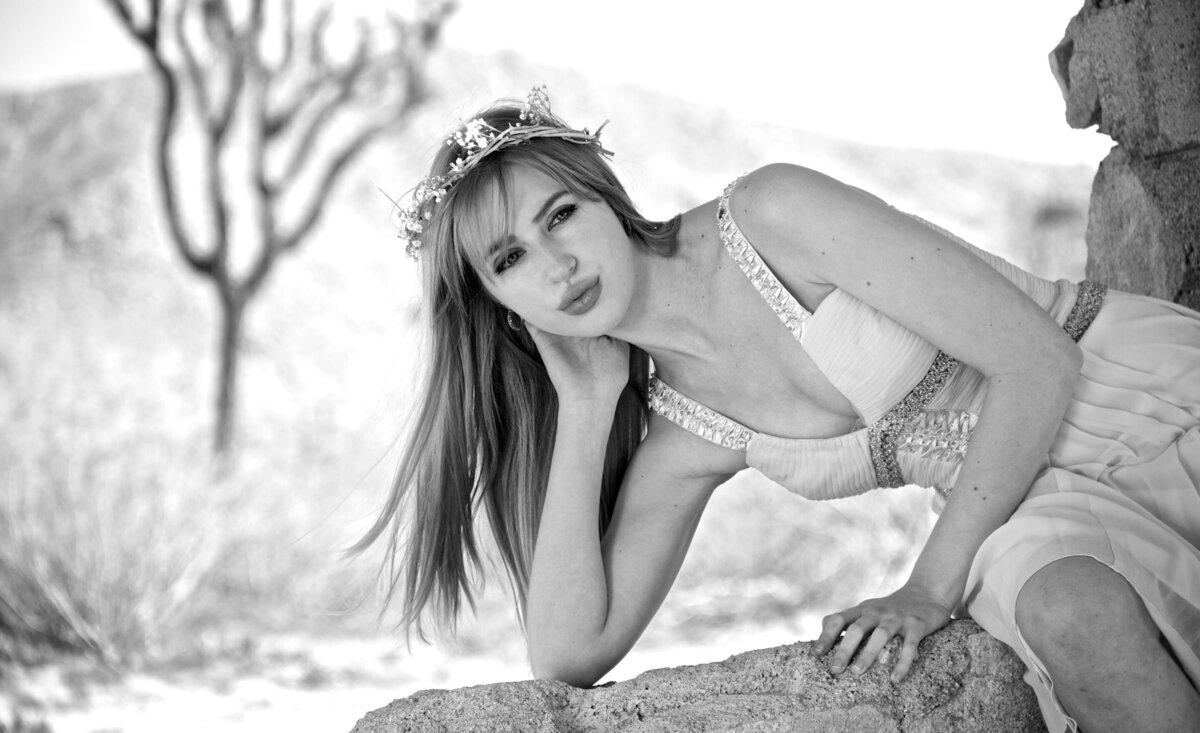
(484, 426)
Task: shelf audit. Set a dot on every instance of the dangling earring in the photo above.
(514, 321)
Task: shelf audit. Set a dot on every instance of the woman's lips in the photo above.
(581, 297)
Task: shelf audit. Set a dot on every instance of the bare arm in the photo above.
(828, 232)
(589, 600)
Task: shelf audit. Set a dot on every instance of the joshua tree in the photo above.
(268, 93)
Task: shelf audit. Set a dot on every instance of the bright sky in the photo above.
(922, 73)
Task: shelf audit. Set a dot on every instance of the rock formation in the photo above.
(1132, 68)
(964, 680)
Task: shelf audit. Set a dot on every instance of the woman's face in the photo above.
(567, 266)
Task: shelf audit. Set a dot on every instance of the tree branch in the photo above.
(316, 38)
(233, 45)
(333, 172)
(289, 34)
(148, 36)
(192, 63)
(314, 82)
(344, 84)
(235, 85)
(261, 79)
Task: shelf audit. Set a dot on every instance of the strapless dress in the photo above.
(1121, 482)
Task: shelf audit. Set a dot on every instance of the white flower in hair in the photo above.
(476, 139)
(537, 106)
(474, 136)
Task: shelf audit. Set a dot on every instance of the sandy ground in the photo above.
(303, 683)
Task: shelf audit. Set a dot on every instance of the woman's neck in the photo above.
(675, 314)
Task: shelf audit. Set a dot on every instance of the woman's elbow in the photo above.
(1057, 361)
(576, 663)
(562, 670)
(1050, 369)
(1057, 371)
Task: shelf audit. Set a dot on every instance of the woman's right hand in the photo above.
(584, 370)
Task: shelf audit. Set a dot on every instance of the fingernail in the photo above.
(836, 669)
(856, 669)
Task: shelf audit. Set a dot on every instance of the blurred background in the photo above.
(146, 584)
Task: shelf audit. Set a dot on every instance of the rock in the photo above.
(1133, 69)
(964, 680)
(1143, 228)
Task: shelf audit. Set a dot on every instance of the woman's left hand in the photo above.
(911, 612)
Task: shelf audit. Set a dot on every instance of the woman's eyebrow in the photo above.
(501, 242)
(506, 239)
(546, 206)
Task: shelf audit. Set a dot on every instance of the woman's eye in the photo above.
(561, 215)
(508, 260)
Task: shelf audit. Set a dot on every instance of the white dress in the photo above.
(1122, 480)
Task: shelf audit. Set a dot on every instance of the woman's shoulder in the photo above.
(769, 194)
(800, 209)
(782, 193)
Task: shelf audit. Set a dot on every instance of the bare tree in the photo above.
(301, 114)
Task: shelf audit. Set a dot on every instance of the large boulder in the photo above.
(1144, 225)
(964, 680)
(1132, 68)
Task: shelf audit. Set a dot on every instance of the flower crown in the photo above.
(477, 139)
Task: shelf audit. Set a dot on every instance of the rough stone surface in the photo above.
(1144, 225)
(964, 680)
(1133, 68)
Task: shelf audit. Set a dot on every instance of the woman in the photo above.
(806, 329)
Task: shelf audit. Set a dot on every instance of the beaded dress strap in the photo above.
(1088, 299)
(696, 418)
(787, 308)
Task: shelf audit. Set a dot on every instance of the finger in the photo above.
(849, 644)
(882, 634)
(908, 652)
(831, 628)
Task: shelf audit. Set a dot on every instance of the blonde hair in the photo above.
(485, 422)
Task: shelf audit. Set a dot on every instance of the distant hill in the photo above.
(672, 153)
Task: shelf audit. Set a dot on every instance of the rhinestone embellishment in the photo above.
(789, 311)
(882, 435)
(696, 418)
(939, 435)
(1088, 300)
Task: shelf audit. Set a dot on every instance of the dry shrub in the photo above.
(100, 550)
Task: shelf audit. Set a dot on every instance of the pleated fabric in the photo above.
(1122, 486)
(870, 358)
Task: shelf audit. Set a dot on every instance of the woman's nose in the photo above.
(563, 266)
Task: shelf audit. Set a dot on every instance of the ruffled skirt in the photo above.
(1122, 485)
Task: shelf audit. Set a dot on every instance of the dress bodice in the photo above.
(918, 406)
